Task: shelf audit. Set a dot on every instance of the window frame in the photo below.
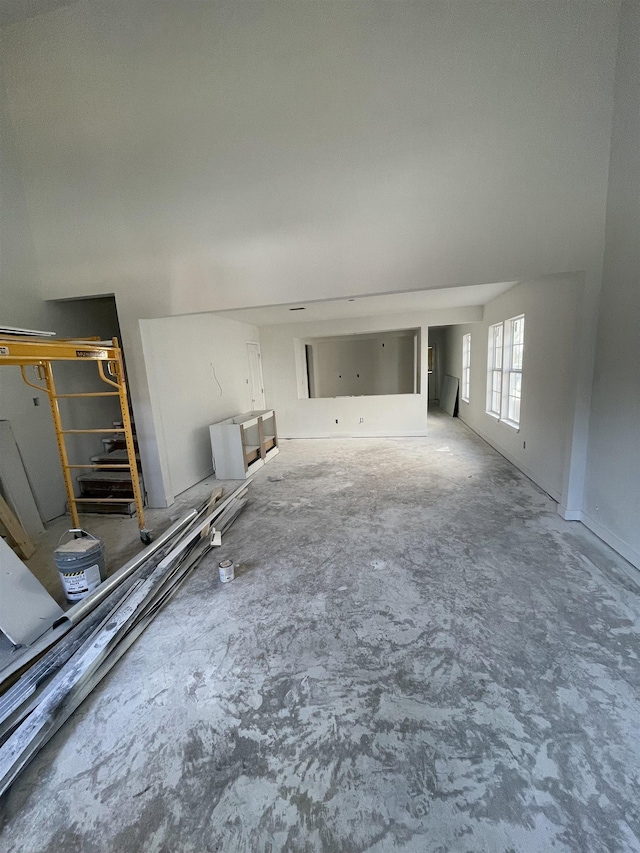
(465, 392)
(494, 369)
(512, 370)
(505, 360)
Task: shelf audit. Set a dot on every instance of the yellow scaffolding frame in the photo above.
(41, 354)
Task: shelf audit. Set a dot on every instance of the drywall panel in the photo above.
(449, 400)
(198, 371)
(363, 365)
(612, 501)
(301, 417)
(344, 368)
(394, 366)
(541, 446)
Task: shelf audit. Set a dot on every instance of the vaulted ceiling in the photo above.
(12, 11)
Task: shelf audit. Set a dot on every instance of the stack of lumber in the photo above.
(46, 683)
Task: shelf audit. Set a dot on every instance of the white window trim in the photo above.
(494, 367)
(506, 370)
(466, 367)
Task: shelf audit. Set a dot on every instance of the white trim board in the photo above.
(553, 493)
(625, 550)
(323, 436)
(609, 538)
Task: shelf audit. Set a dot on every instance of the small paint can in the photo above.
(226, 569)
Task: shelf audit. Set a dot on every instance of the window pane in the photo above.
(516, 356)
(518, 330)
(498, 347)
(514, 409)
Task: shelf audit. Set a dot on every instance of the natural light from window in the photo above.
(466, 367)
(504, 370)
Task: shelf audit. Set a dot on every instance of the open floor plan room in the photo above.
(417, 654)
(319, 426)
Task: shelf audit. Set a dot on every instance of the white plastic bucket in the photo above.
(80, 563)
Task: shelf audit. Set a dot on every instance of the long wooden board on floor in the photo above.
(16, 531)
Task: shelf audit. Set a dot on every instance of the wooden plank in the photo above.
(216, 494)
(15, 485)
(16, 531)
(261, 439)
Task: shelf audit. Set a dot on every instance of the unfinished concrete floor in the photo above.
(417, 654)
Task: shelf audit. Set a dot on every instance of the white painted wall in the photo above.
(386, 415)
(612, 503)
(364, 365)
(199, 156)
(20, 305)
(198, 375)
(548, 381)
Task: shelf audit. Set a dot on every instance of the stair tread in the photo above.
(112, 476)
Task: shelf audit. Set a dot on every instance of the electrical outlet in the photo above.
(336, 420)
(361, 420)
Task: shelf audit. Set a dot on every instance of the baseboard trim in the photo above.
(323, 436)
(623, 548)
(549, 490)
(569, 514)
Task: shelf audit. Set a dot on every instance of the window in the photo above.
(494, 370)
(513, 369)
(466, 367)
(504, 370)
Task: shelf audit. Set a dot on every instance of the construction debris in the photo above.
(41, 691)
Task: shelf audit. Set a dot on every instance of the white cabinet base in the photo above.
(241, 445)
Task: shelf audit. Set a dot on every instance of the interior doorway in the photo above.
(256, 383)
(86, 407)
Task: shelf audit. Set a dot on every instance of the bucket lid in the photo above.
(78, 546)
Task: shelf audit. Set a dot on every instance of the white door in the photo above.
(256, 385)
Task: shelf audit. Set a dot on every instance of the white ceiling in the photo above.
(12, 11)
(371, 306)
